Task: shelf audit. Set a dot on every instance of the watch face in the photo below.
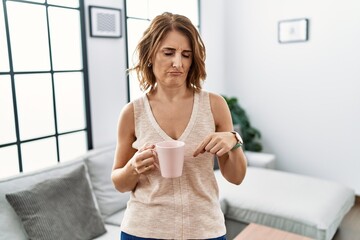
(237, 135)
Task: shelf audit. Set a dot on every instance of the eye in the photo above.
(186, 54)
(168, 53)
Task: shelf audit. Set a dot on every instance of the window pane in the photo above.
(67, 3)
(9, 161)
(133, 9)
(136, 29)
(72, 145)
(37, 1)
(65, 35)
(35, 105)
(188, 8)
(29, 39)
(7, 124)
(70, 106)
(38, 154)
(4, 60)
(134, 86)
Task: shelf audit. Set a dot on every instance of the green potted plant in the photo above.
(250, 135)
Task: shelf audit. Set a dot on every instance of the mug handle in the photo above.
(156, 163)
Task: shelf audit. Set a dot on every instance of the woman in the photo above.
(171, 69)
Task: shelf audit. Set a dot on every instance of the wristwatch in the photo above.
(239, 142)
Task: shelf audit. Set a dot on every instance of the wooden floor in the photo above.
(350, 226)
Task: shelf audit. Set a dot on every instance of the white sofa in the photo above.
(300, 204)
(304, 205)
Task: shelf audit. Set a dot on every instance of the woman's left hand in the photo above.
(217, 143)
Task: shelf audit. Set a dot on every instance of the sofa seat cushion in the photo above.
(99, 163)
(116, 218)
(59, 208)
(112, 233)
(296, 203)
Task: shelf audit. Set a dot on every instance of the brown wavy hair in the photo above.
(150, 42)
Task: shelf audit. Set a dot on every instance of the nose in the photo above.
(177, 61)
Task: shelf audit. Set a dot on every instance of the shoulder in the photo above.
(129, 109)
(216, 100)
(127, 113)
(126, 122)
(220, 111)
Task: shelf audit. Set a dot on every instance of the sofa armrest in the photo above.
(259, 159)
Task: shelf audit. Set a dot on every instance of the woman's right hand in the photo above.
(144, 159)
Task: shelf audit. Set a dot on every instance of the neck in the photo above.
(172, 94)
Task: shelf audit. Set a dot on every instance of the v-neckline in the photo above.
(157, 127)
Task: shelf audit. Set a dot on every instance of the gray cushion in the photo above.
(59, 208)
(11, 226)
(99, 165)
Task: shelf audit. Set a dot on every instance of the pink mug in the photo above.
(171, 158)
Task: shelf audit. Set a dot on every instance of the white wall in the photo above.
(108, 84)
(303, 97)
(213, 34)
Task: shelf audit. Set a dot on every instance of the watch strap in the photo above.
(237, 145)
(239, 142)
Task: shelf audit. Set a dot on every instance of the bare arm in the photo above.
(232, 163)
(129, 163)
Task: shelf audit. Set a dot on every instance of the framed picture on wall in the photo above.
(105, 22)
(295, 30)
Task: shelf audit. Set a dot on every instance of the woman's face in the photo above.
(172, 60)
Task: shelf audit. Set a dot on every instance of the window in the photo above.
(139, 13)
(44, 107)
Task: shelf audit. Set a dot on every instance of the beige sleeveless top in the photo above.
(180, 208)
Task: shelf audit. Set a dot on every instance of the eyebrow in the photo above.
(173, 49)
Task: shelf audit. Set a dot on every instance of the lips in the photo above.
(175, 73)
